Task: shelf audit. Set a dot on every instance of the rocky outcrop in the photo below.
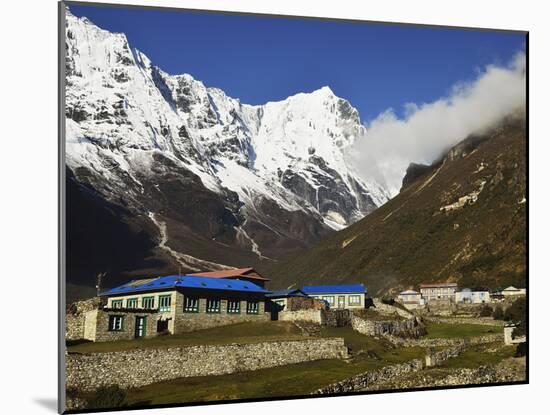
(411, 328)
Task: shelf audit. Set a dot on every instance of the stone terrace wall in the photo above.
(362, 381)
(136, 368)
(441, 342)
(484, 321)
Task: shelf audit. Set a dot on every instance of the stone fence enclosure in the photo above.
(135, 368)
(400, 328)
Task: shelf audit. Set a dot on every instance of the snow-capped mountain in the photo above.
(251, 175)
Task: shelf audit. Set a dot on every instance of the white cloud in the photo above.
(427, 130)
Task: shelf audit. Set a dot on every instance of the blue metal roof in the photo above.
(334, 289)
(285, 293)
(186, 281)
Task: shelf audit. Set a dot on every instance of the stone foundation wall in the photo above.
(135, 368)
(336, 318)
(101, 324)
(187, 322)
(312, 316)
(304, 303)
(75, 317)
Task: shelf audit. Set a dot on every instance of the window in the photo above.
(164, 303)
(116, 304)
(116, 323)
(356, 299)
(329, 299)
(233, 306)
(190, 305)
(131, 303)
(213, 305)
(252, 307)
(148, 302)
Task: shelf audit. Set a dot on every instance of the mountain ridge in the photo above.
(266, 180)
(462, 219)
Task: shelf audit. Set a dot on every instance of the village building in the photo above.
(438, 292)
(411, 299)
(282, 298)
(243, 274)
(472, 296)
(512, 291)
(339, 296)
(173, 304)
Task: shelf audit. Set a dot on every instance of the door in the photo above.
(140, 326)
(341, 301)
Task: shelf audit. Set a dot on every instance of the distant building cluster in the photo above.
(447, 293)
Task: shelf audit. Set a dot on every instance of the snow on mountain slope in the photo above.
(129, 124)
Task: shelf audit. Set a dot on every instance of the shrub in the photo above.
(486, 311)
(107, 397)
(521, 350)
(517, 311)
(498, 314)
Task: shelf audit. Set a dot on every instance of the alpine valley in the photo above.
(164, 173)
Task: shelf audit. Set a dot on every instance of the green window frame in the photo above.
(233, 306)
(116, 323)
(132, 302)
(165, 303)
(252, 307)
(116, 303)
(354, 299)
(190, 304)
(213, 305)
(148, 302)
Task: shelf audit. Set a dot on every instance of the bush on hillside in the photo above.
(107, 397)
(486, 311)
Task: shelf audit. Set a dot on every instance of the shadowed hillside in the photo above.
(462, 219)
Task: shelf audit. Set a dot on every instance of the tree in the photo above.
(498, 314)
(486, 311)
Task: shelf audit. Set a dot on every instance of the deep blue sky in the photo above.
(260, 59)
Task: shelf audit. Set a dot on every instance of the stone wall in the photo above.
(362, 381)
(441, 342)
(435, 358)
(304, 303)
(336, 318)
(400, 328)
(313, 316)
(135, 368)
(390, 310)
(75, 317)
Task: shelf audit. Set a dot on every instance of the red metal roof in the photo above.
(232, 273)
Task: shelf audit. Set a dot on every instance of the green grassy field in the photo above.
(236, 333)
(291, 380)
(452, 331)
(480, 355)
